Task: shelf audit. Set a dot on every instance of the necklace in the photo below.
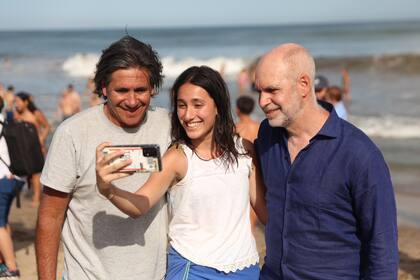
(203, 159)
(207, 159)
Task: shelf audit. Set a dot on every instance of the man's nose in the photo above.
(263, 99)
(132, 99)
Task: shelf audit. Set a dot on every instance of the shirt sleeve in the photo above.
(375, 210)
(59, 171)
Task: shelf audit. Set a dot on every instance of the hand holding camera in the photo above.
(144, 158)
(107, 170)
(118, 161)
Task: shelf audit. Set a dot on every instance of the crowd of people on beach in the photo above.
(20, 108)
(317, 183)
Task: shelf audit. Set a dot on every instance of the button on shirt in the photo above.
(332, 212)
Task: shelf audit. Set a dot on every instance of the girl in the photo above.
(211, 178)
(23, 106)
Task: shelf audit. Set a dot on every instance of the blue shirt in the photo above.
(331, 214)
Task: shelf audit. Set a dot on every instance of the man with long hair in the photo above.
(99, 241)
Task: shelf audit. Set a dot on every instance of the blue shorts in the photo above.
(7, 194)
(179, 268)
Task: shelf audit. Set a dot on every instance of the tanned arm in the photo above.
(44, 126)
(256, 185)
(51, 215)
(136, 204)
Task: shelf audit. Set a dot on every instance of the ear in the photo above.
(104, 92)
(304, 85)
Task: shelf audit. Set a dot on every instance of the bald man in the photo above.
(329, 195)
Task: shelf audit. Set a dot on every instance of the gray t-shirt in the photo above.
(101, 242)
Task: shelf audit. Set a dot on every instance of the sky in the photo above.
(102, 14)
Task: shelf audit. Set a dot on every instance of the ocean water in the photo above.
(383, 60)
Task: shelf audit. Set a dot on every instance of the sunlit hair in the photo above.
(127, 53)
(224, 127)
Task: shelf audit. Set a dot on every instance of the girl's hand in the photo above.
(106, 171)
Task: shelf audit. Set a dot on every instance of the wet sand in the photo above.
(23, 222)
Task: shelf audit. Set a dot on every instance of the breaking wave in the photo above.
(388, 126)
(83, 65)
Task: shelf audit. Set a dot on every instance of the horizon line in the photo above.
(214, 26)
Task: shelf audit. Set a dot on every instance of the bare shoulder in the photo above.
(239, 126)
(175, 151)
(40, 115)
(27, 117)
(176, 159)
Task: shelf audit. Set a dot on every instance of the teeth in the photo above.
(192, 124)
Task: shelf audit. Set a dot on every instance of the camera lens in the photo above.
(149, 152)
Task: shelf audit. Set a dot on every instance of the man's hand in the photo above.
(106, 171)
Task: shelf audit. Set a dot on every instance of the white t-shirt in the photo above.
(209, 214)
(101, 242)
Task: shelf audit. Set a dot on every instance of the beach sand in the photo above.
(23, 222)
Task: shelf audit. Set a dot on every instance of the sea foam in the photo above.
(83, 65)
(388, 126)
